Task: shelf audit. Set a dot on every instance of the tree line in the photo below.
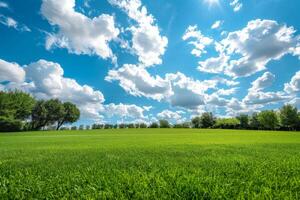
(20, 111)
(287, 118)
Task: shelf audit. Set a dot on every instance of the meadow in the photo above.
(150, 164)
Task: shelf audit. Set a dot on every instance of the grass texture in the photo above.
(150, 164)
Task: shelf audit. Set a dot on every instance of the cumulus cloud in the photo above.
(198, 40)
(125, 111)
(264, 97)
(78, 33)
(249, 50)
(266, 80)
(214, 64)
(147, 43)
(170, 116)
(11, 72)
(138, 82)
(293, 86)
(174, 88)
(295, 102)
(257, 96)
(45, 79)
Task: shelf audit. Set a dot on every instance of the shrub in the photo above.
(10, 125)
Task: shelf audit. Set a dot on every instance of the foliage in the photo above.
(69, 114)
(244, 121)
(164, 123)
(254, 122)
(289, 117)
(227, 123)
(268, 119)
(16, 105)
(196, 122)
(154, 125)
(9, 125)
(207, 120)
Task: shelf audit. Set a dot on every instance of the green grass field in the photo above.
(150, 164)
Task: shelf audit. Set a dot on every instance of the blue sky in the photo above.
(132, 60)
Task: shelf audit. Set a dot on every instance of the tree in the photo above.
(227, 123)
(39, 115)
(254, 122)
(16, 104)
(268, 119)
(8, 124)
(154, 125)
(164, 123)
(55, 111)
(15, 108)
(289, 117)
(143, 125)
(207, 120)
(69, 114)
(196, 122)
(244, 121)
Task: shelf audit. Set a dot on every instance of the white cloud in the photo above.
(249, 50)
(138, 82)
(187, 92)
(214, 64)
(293, 87)
(226, 92)
(46, 80)
(198, 40)
(124, 111)
(78, 33)
(3, 4)
(217, 24)
(147, 43)
(170, 116)
(295, 102)
(259, 43)
(11, 72)
(257, 96)
(12, 23)
(236, 5)
(266, 80)
(176, 89)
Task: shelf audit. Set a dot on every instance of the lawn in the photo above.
(150, 164)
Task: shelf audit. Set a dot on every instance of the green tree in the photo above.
(163, 123)
(268, 119)
(289, 117)
(254, 122)
(55, 111)
(207, 120)
(154, 125)
(143, 125)
(69, 114)
(46, 113)
(39, 115)
(196, 122)
(15, 108)
(227, 123)
(244, 121)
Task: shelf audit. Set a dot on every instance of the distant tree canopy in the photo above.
(289, 117)
(20, 111)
